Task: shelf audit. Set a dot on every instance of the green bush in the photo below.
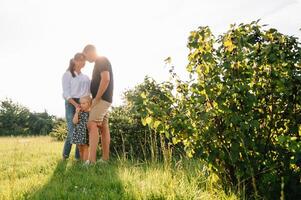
(240, 111)
(59, 131)
(130, 135)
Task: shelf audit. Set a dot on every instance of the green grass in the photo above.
(31, 168)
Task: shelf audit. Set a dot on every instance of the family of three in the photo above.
(87, 116)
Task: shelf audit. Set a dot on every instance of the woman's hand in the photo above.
(74, 103)
(78, 109)
(76, 106)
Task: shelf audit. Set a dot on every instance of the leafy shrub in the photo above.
(59, 131)
(131, 136)
(240, 111)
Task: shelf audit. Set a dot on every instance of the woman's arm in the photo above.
(76, 118)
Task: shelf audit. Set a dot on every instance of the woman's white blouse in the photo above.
(75, 87)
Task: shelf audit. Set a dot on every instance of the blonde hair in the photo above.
(87, 98)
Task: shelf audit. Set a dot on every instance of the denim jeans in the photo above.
(70, 111)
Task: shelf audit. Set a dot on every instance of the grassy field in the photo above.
(31, 168)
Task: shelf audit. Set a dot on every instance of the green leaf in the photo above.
(156, 124)
(148, 120)
(175, 140)
(143, 95)
(143, 122)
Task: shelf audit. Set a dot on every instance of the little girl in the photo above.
(80, 133)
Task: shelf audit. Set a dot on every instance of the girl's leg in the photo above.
(81, 151)
(85, 152)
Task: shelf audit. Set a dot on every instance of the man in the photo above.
(102, 92)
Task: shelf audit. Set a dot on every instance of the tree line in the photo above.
(16, 119)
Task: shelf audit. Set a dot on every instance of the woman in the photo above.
(75, 86)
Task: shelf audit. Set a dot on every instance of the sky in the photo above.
(38, 38)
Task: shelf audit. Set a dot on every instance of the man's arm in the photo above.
(103, 85)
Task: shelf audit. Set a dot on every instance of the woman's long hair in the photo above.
(77, 57)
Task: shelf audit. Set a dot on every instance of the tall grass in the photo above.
(31, 168)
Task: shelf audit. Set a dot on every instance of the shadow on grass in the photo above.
(72, 180)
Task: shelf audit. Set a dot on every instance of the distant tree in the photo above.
(16, 119)
(40, 123)
(13, 118)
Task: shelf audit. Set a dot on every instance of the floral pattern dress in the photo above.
(80, 132)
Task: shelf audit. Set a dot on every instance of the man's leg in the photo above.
(93, 141)
(105, 140)
(96, 118)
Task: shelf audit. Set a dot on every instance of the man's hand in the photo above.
(94, 101)
(104, 83)
(99, 124)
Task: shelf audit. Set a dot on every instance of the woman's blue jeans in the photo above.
(70, 111)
